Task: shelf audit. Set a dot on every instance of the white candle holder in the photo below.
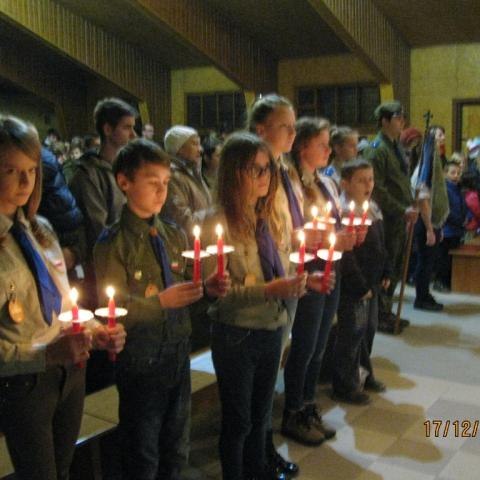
(323, 254)
(103, 312)
(191, 254)
(83, 316)
(212, 249)
(295, 257)
(320, 226)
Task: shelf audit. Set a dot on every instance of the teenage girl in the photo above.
(41, 389)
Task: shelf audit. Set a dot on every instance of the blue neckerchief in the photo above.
(293, 206)
(162, 257)
(267, 250)
(50, 297)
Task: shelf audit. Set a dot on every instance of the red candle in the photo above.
(112, 317)
(314, 212)
(76, 325)
(365, 212)
(220, 257)
(328, 266)
(301, 253)
(351, 216)
(196, 254)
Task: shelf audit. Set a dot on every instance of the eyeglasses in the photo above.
(256, 172)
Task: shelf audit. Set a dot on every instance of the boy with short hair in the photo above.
(364, 272)
(454, 228)
(140, 256)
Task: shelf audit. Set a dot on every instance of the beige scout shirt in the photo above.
(22, 345)
(245, 305)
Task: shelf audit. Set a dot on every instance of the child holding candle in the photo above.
(364, 271)
(248, 321)
(41, 391)
(140, 256)
(315, 311)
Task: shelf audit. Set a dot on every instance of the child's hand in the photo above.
(111, 339)
(345, 240)
(362, 231)
(368, 295)
(315, 282)
(385, 283)
(181, 295)
(288, 287)
(216, 286)
(70, 348)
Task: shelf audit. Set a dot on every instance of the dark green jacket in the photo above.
(392, 189)
(124, 258)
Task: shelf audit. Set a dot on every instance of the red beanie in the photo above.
(409, 134)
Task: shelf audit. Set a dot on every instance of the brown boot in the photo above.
(298, 427)
(316, 420)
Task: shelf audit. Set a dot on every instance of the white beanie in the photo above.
(473, 147)
(176, 137)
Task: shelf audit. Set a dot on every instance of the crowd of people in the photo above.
(119, 210)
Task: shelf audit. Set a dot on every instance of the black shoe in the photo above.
(267, 475)
(374, 385)
(280, 465)
(429, 304)
(354, 398)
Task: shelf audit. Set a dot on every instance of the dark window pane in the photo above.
(194, 111)
(210, 111)
(306, 97)
(326, 103)
(369, 99)
(225, 112)
(347, 106)
(240, 111)
(306, 112)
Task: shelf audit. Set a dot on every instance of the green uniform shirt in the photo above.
(124, 258)
(392, 186)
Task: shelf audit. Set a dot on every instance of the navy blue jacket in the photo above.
(454, 226)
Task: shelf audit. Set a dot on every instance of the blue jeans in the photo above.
(154, 412)
(311, 328)
(246, 363)
(426, 258)
(356, 327)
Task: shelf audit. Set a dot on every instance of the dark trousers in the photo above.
(426, 257)
(154, 412)
(395, 240)
(40, 415)
(356, 327)
(444, 260)
(313, 320)
(246, 363)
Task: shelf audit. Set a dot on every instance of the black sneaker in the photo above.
(280, 465)
(429, 304)
(374, 385)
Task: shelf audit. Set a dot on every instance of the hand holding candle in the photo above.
(328, 265)
(196, 254)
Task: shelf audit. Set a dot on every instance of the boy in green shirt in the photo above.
(140, 256)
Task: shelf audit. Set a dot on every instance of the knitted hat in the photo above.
(409, 135)
(474, 148)
(388, 108)
(176, 137)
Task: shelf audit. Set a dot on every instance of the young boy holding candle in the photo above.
(364, 271)
(140, 256)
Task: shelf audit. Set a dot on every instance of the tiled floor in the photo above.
(432, 371)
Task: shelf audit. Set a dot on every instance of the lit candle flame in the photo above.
(74, 295)
(351, 206)
(196, 231)
(110, 292)
(218, 231)
(301, 237)
(332, 238)
(328, 207)
(365, 205)
(314, 211)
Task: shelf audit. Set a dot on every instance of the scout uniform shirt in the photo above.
(392, 185)
(22, 344)
(125, 259)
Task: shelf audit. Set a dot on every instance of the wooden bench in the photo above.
(100, 415)
(466, 269)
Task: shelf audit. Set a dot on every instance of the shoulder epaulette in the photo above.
(108, 233)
